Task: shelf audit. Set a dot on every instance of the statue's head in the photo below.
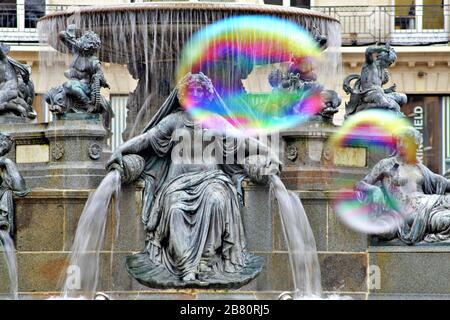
(275, 78)
(304, 66)
(331, 99)
(318, 36)
(387, 57)
(56, 98)
(408, 140)
(4, 49)
(195, 89)
(89, 42)
(6, 143)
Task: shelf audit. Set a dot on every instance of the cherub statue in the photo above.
(16, 87)
(300, 76)
(421, 195)
(81, 93)
(368, 92)
(11, 184)
(195, 235)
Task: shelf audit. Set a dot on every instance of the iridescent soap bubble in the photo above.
(227, 51)
(370, 207)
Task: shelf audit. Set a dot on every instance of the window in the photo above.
(119, 122)
(301, 3)
(8, 14)
(277, 2)
(405, 14)
(419, 14)
(13, 15)
(34, 9)
(292, 3)
(433, 14)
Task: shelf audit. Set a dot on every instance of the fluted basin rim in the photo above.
(218, 6)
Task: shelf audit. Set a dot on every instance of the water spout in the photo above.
(4, 226)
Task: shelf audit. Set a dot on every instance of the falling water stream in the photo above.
(83, 270)
(300, 241)
(9, 253)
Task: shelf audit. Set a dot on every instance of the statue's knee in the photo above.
(441, 222)
(11, 94)
(402, 99)
(176, 217)
(215, 198)
(445, 221)
(71, 86)
(68, 85)
(384, 100)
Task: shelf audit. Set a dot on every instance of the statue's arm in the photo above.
(98, 73)
(13, 178)
(136, 144)
(254, 147)
(391, 89)
(447, 189)
(142, 142)
(68, 38)
(367, 190)
(368, 183)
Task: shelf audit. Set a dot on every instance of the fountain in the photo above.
(71, 153)
(208, 248)
(158, 32)
(249, 234)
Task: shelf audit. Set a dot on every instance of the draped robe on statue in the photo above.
(191, 212)
(428, 209)
(11, 184)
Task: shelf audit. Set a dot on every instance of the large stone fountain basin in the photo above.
(138, 32)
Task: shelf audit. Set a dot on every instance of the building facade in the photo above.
(418, 29)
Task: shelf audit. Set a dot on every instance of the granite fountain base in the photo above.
(63, 162)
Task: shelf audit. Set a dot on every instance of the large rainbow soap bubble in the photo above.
(226, 51)
(370, 207)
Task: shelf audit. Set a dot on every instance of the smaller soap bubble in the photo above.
(369, 206)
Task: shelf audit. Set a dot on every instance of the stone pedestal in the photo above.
(311, 164)
(5, 119)
(47, 221)
(410, 272)
(68, 153)
(63, 173)
(350, 262)
(56, 162)
(62, 161)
